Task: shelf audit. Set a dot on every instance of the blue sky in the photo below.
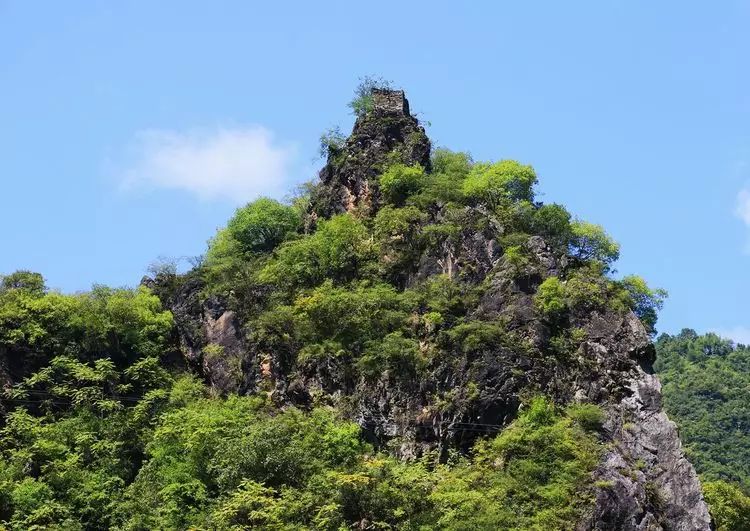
(131, 130)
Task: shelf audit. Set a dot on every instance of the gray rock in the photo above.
(644, 481)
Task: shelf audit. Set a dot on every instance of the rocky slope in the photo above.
(644, 481)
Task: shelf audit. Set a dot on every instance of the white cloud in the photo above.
(738, 334)
(742, 210)
(235, 164)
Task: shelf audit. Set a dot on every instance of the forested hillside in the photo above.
(413, 342)
(706, 389)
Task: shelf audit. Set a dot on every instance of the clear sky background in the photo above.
(130, 130)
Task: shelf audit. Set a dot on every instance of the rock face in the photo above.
(646, 481)
(209, 334)
(643, 482)
(387, 133)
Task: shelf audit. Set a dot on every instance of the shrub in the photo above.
(331, 142)
(537, 470)
(550, 298)
(552, 222)
(565, 343)
(474, 336)
(504, 180)
(440, 294)
(213, 352)
(397, 233)
(399, 182)
(395, 353)
(451, 163)
(588, 289)
(444, 184)
(589, 416)
(730, 507)
(261, 225)
(340, 249)
(349, 315)
(314, 353)
(516, 256)
(644, 301)
(591, 242)
(362, 102)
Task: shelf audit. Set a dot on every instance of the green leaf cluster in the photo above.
(195, 462)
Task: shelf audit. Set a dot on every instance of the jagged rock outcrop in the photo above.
(644, 481)
(210, 336)
(385, 134)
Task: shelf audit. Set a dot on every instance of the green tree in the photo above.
(340, 249)
(550, 298)
(591, 242)
(444, 184)
(350, 315)
(258, 227)
(398, 355)
(398, 237)
(25, 280)
(706, 389)
(399, 182)
(552, 222)
(643, 300)
(534, 475)
(121, 324)
(730, 507)
(331, 142)
(362, 102)
(504, 180)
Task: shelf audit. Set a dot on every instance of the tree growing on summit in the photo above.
(363, 101)
(552, 222)
(591, 242)
(507, 179)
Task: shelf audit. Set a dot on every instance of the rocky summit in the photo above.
(386, 133)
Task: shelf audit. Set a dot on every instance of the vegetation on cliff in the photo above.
(403, 346)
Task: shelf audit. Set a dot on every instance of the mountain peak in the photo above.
(390, 101)
(385, 134)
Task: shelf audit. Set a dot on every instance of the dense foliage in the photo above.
(172, 457)
(106, 426)
(706, 386)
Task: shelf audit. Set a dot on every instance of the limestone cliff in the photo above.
(643, 482)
